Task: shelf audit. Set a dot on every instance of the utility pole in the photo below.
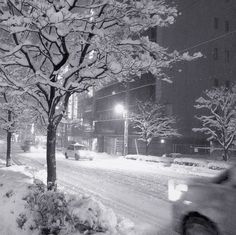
(126, 121)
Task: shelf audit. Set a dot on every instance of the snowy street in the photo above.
(133, 189)
(117, 117)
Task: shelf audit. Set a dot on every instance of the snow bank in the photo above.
(12, 189)
(29, 208)
(149, 158)
(176, 159)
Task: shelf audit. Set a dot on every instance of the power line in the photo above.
(123, 91)
(210, 40)
(207, 41)
(186, 49)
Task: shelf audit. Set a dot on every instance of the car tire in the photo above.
(76, 157)
(66, 156)
(198, 225)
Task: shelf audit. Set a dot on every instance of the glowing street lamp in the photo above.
(120, 109)
(162, 141)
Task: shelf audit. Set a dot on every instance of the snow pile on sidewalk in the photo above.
(185, 161)
(28, 208)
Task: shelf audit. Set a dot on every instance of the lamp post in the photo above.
(120, 109)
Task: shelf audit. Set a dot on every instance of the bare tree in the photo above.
(11, 112)
(52, 49)
(219, 120)
(151, 121)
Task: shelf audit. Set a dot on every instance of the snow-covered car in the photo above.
(205, 206)
(26, 145)
(78, 151)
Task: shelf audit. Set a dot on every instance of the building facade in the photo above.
(207, 27)
(202, 26)
(110, 125)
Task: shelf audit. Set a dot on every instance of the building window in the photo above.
(216, 82)
(227, 84)
(169, 109)
(215, 53)
(216, 23)
(153, 34)
(227, 56)
(226, 26)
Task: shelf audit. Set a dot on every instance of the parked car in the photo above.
(205, 207)
(25, 146)
(78, 151)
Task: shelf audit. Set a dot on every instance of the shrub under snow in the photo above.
(48, 210)
(53, 212)
(90, 215)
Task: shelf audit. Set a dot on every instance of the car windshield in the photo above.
(28, 142)
(78, 147)
(71, 147)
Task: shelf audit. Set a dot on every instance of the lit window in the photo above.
(90, 91)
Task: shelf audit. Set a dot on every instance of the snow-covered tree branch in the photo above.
(58, 48)
(150, 121)
(11, 116)
(219, 122)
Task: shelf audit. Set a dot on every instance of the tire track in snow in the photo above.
(120, 207)
(102, 184)
(154, 187)
(112, 199)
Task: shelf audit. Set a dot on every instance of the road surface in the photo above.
(133, 189)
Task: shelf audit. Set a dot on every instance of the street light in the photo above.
(162, 141)
(120, 109)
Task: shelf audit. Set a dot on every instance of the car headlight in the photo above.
(175, 190)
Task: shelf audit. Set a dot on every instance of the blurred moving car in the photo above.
(78, 151)
(25, 146)
(205, 207)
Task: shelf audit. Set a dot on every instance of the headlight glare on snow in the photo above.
(175, 191)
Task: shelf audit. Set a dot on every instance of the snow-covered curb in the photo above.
(168, 161)
(15, 185)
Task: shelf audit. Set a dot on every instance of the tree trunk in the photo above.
(146, 148)
(65, 136)
(226, 155)
(9, 134)
(51, 157)
(8, 156)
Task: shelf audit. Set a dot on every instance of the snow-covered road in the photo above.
(134, 189)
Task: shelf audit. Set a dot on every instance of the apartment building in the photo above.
(202, 26)
(208, 27)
